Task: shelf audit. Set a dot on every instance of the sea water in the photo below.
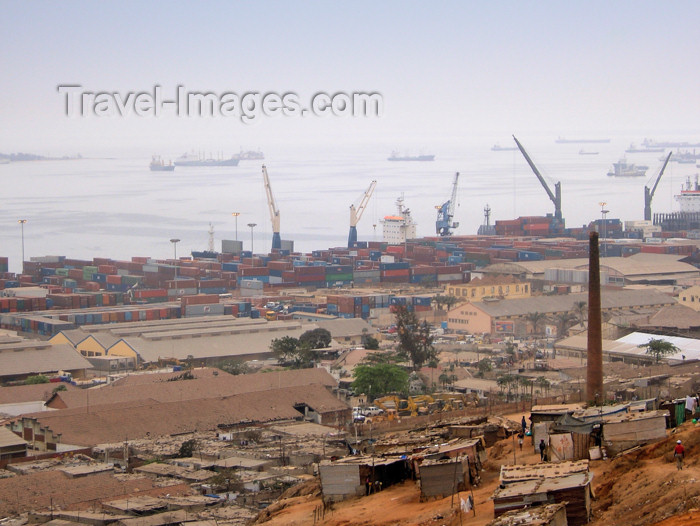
(116, 207)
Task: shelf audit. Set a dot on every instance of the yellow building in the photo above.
(86, 344)
(490, 287)
(690, 297)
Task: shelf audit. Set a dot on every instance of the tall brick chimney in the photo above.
(594, 372)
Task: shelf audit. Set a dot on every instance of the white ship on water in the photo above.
(400, 227)
(689, 198)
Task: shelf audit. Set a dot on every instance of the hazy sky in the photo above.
(445, 69)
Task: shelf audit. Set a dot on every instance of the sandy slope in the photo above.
(639, 489)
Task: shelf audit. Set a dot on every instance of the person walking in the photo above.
(523, 424)
(543, 450)
(521, 437)
(679, 454)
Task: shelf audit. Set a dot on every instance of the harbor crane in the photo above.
(356, 214)
(555, 196)
(274, 212)
(446, 212)
(649, 194)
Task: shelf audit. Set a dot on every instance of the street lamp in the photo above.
(175, 241)
(21, 222)
(252, 226)
(236, 214)
(604, 213)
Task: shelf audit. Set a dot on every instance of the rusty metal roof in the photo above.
(518, 473)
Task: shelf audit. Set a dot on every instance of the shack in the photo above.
(625, 430)
(546, 515)
(574, 490)
(348, 477)
(440, 478)
(535, 484)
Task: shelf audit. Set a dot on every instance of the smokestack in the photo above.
(594, 373)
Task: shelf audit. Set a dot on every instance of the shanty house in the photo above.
(349, 477)
(625, 430)
(546, 515)
(439, 478)
(573, 489)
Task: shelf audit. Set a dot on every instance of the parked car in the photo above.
(373, 410)
(358, 417)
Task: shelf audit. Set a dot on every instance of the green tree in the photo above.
(316, 339)
(226, 479)
(581, 310)
(415, 341)
(380, 379)
(388, 356)
(564, 320)
(485, 365)
(234, 367)
(543, 384)
(37, 379)
(289, 351)
(447, 300)
(535, 318)
(187, 448)
(61, 387)
(659, 348)
(371, 343)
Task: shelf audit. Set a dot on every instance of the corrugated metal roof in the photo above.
(8, 438)
(638, 264)
(618, 299)
(545, 485)
(518, 473)
(635, 417)
(44, 360)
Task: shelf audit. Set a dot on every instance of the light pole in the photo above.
(21, 222)
(236, 214)
(604, 213)
(252, 226)
(175, 241)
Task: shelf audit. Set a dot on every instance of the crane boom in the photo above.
(649, 195)
(555, 196)
(356, 213)
(274, 211)
(446, 212)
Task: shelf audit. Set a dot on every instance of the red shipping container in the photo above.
(199, 299)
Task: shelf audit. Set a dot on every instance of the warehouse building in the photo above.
(510, 317)
(638, 269)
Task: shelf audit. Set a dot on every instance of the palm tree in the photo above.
(535, 318)
(581, 310)
(564, 321)
(543, 383)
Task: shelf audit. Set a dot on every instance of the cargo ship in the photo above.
(250, 155)
(645, 149)
(650, 143)
(624, 169)
(689, 198)
(158, 165)
(498, 148)
(586, 152)
(396, 157)
(194, 160)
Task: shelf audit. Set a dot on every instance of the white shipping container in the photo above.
(174, 293)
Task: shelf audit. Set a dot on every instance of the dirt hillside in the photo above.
(645, 488)
(638, 489)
